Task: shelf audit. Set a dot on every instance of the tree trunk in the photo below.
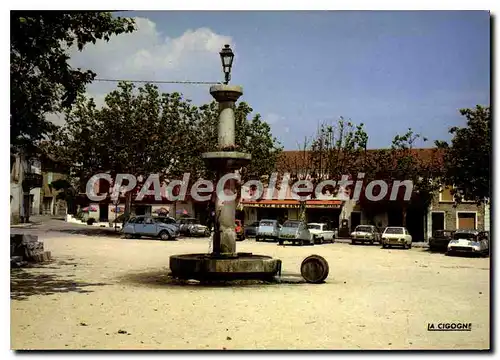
(302, 211)
(128, 205)
(404, 215)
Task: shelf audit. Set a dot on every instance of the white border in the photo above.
(220, 5)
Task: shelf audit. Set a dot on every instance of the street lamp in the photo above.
(227, 56)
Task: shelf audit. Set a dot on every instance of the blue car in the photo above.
(268, 229)
(164, 228)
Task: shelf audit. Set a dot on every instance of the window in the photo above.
(148, 221)
(139, 221)
(445, 195)
(466, 220)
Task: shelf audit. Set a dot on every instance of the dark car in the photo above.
(440, 239)
(251, 230)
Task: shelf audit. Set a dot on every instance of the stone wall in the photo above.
(451, 211)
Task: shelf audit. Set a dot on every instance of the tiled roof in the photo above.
(302, 159)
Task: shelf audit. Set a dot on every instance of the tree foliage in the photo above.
(403, 162)
(142, 131)
(335, 150)
(468, 157)
(42, 81)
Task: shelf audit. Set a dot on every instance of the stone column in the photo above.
(224, 241)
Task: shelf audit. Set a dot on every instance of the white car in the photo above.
(396, 236)
(321, 232)
(468, 241)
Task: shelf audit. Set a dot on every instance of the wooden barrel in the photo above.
(314, 269)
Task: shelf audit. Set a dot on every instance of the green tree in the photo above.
(468, 157)
(41, 79)
(337, 149)
(141, 131)
(403, 162)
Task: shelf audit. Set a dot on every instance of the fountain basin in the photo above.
(229, 160)
(240, 266)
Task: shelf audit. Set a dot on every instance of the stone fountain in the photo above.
(224, 263)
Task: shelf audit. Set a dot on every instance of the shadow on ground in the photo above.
(24, 283)
(91, 231)
(162, 279)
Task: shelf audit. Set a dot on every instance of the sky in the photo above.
(388, 70)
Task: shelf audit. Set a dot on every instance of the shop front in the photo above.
(282, 210)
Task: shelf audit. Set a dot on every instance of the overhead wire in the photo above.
(161, 81)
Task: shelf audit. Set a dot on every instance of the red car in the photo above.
(240, 232)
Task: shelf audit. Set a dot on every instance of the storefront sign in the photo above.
(294, 206)
(323, 206)
(281, 206)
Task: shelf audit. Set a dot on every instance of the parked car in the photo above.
(268, 229)
(440, 239)
(152, 227)
(469, 241)
(296, 232)
(396, 236)
(240, 232)
(192, 227)
(321, 232)
(251, 230)
(366, 234)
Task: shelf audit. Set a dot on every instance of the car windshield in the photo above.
(165, 220)
(291, 224)
(266, 223)
(467, 236)
(315, 227)
(394, 230)
(255, 224)
(364, 229)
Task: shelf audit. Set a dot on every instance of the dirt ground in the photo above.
(111, 293)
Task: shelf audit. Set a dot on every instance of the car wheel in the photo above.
(280, 242)
(409, 246)
(371, 242)
(257, 238)
(353, 242)
(164, 235)
(301, 242)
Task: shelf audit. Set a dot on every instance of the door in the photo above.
(139, 226)
(103, 213)
(466, 221)
(355, 220)
(437, 222)
(149, 227)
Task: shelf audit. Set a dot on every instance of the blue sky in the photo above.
(388, 70)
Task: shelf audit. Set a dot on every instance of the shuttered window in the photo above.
(466, 221)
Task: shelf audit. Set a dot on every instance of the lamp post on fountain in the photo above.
(224, 262)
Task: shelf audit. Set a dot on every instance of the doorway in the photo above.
(437, 222)
(103, 213)
(355, 219)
